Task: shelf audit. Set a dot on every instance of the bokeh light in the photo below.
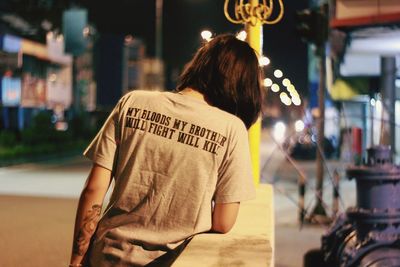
(264, 61)
(206, 35)
(286, 82)
(242, 35)
(279, 131)
(278, 73)
(267, 82)
(299, 125)
(275, 88)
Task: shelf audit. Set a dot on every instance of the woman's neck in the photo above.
(192, 93)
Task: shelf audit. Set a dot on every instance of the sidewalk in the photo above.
(35, 231)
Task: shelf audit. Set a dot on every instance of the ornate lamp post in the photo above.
(254, 14)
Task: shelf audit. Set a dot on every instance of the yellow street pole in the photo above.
(254, 38)
(254, 15)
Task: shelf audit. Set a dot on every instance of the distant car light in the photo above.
(299, 126)
(279, 131)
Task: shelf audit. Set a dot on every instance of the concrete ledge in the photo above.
(250, 243)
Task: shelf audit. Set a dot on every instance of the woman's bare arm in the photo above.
(89, 211)
(224, 217)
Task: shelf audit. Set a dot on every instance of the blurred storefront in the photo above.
(85, 80)
(80, 37)
(363, 66)
(139, 71)
(34, 77)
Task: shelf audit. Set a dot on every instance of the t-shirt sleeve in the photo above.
(235, 183)
(103, 147)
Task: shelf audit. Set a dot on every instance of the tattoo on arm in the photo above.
(89, 224)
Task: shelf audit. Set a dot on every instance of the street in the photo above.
(38, 204)
(292, 239)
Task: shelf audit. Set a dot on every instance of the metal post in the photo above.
(321, 121)
(335, 201)
(372, 116)
(159, 8)
(254, 38)
(319, 207)
(302, 193)
(388, 78)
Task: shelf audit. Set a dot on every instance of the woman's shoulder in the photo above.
(141, 93)
(233, 120)
(138, 95)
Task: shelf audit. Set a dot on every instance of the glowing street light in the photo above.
(278, 73)
(291, 88)
(279, 131)
(128, 39)
(264, 61)
(267, 82)
(299, 125)
(275, 88)
(286, 82)
(206, 35)
(296, 101)
(283, 95)
(285, 99)
(242, 35)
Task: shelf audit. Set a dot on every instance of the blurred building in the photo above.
(140, 72)
(363, 71)
(34, 76)
(48, 64)
(85, 82)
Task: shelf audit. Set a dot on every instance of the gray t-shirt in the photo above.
(170, 155)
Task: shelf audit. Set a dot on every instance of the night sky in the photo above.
(183, 20)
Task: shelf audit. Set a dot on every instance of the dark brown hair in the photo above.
(227, 72)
